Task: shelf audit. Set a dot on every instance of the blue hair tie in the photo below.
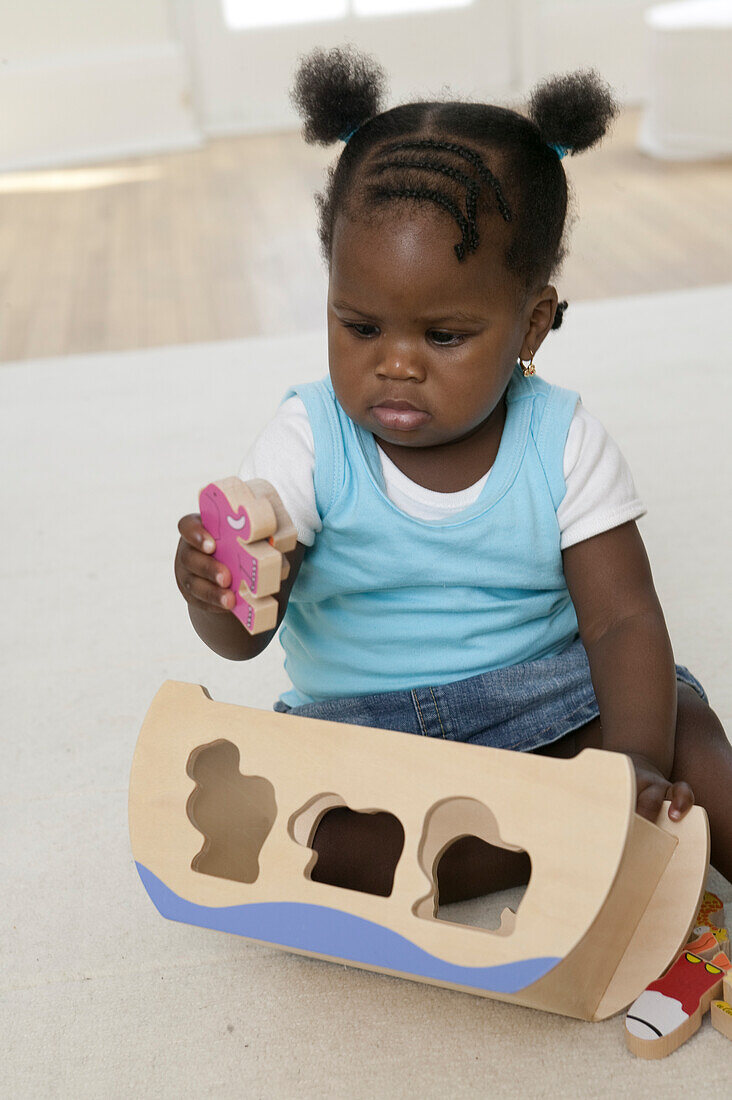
(560, 150)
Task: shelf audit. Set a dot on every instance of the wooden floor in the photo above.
(221, 242)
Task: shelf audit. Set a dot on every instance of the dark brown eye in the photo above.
(357, 327)
(453, 339)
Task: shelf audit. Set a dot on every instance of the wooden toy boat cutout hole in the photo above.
(453, 822)
(470, 850)
(355, 849)
(234, 812)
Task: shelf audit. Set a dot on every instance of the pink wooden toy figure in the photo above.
(252, 531)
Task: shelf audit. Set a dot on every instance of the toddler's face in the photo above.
(396, 337)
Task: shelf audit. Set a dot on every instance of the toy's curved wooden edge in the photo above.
(171, 693)
(669, 917)
(576, 988)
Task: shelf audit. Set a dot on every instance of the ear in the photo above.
(541, 309)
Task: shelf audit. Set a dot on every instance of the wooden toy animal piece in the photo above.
(670, 1010)
(709, 944)
(711, 914)
(610, 903)
(722, 1011)
(252, 531)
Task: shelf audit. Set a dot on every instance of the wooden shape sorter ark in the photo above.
(252, 531)
(225, 800)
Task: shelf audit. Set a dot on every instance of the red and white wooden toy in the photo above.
(670, 1010)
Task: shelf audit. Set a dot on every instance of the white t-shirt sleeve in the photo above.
(600, 489)
(284, 454)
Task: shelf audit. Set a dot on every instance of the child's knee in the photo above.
(700, 735)
(694, 713)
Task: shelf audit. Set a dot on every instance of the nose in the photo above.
(399, 361)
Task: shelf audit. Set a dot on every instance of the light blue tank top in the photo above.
(386, 602)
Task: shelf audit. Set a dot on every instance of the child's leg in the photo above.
(703, 758)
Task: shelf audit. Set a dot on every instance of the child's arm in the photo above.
(210, 599)
(631, 660)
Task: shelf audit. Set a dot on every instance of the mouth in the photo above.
(400, 415)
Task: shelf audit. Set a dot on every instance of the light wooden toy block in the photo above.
(722, 1016)
(252, 531)
(284, 537)
(225, 799)
(670, 1010)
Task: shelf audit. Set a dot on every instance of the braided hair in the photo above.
(435, 153)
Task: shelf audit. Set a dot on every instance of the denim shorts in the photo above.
(523, 707)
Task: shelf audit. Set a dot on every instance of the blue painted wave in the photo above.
(326, 931)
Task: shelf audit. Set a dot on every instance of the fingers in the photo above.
(203, 581)
(649, 801)
(195, 534)
(682, 799)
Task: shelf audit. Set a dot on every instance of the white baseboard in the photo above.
(657, 141)
(95, 107)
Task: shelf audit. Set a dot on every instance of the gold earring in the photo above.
(528, 368)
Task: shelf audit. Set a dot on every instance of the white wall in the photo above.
(84, 80)
(561, 35)
(494, 49)
(39, 30)
(88, 80)
(242, 78)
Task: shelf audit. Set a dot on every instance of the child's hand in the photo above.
(652, 789)
(202, 581)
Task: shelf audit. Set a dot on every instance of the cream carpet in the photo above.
(102, 997)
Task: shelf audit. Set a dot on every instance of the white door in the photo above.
(243, 53)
